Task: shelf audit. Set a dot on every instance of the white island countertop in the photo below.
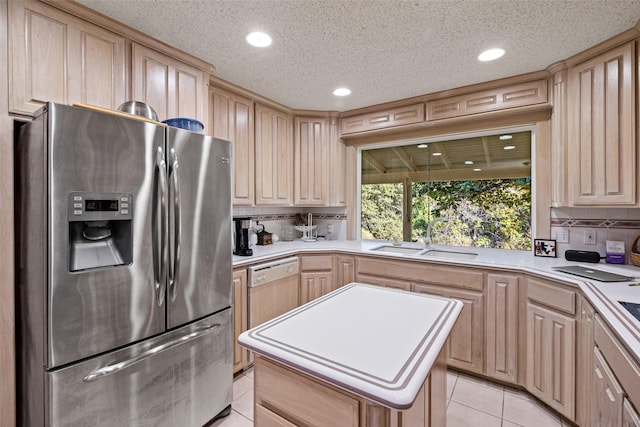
(378, 343)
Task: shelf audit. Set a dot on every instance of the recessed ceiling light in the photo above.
(423, 145)
(437, 154)
(342, 91)
(468, 162)
(505, 137)
(258, 39)
(509, 147)
(477, 170)
(491, 54)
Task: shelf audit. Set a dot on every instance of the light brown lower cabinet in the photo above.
(465, 344)
(607, 404)
(584, 364)
(630, 417)
(616, 389)
(239, 307)
(502, 327)
(285, 397)
(551, 358)
(316, 277)
(346, 270)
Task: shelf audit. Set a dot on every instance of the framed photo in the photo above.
(542, 247)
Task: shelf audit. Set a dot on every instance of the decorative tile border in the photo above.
(595, 223)
(288, 216)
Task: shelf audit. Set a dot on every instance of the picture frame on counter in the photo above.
(544, 247)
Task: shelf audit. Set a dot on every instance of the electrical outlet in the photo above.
(590, 237)
(560, 235)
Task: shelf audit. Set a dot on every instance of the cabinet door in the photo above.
(274, 157)
(60, 58)
(346, 270)
(551, 358)
(502, 327)
(584, 364)
(314, 285)
(338, 178)
(310, 161)
(171, 87)
(607, 402)
(630, 417)
(601, 132)
(465, 343)
(239, 318)
(232, 120)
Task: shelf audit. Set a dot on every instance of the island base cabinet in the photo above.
(285, 397)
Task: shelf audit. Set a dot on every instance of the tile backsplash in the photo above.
(274, 218)
(607, 224)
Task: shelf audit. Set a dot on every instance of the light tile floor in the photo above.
(471, 402)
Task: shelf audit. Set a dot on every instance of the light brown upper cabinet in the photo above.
(171, 87)
(311, 168)
(392, 117)
(274, 157)
(602, 129)
(57, 57)
(232, 119)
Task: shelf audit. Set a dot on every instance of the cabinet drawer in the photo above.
(301, 400)
(265, 418)
(316, 262)
(552, 295)
(384, 281)
(622, 365)
(422, 272)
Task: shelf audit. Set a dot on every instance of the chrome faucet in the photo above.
(427, 240)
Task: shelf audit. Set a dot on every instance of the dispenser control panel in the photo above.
(83, 206)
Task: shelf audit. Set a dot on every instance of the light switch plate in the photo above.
(560, 235)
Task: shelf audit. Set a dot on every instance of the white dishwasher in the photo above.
(273, 290)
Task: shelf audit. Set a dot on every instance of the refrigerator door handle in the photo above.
(160, 252)
(175, 262)
(120, 365)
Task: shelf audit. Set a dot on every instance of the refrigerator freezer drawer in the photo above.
(182, 378)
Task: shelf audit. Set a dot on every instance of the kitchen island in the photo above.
(359, 356)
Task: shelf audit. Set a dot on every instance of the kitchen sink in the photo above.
(398, 249)
(438, 253)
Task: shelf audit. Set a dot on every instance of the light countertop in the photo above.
(375, 342)
(603, 296)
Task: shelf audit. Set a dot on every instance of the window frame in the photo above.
(444, 139)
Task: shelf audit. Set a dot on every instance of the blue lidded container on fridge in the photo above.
(185, 123)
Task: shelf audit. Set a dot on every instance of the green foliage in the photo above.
(382, 211)
(487, 213)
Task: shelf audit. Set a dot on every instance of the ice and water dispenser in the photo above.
(100, 230)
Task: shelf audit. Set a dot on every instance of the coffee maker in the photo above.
(242, 226)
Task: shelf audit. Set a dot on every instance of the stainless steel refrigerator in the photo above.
(124, 272)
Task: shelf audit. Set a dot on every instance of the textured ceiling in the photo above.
(383, 50)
